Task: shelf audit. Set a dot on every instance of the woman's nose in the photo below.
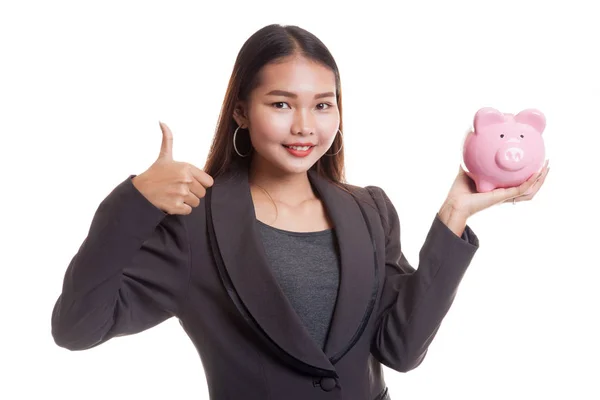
(303, 123)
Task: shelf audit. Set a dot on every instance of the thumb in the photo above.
(166, 148)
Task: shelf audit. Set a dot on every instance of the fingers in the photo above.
(529, 189)
(542, 172)
(535, 188)
(197, 190)
(192, 199)
(205, 179)
(524, 188)
(187, 199)
(184, 209)
(196, 186)
(166, 148)
(540, 177)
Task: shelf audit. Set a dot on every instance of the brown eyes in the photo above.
(282, 104)
(502, 135)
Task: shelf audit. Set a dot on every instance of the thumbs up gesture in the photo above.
(172, 186)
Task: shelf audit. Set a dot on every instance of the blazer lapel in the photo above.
(255, 290)
(359, 268)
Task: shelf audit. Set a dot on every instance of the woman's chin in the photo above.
(288, 163)
(295, 167)
(291, 165)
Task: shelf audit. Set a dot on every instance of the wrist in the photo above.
(454, 218)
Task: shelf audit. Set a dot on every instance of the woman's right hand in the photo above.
(172, 186)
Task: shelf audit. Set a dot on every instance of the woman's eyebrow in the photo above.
(294, 96)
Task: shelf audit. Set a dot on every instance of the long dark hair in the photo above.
(267, 45)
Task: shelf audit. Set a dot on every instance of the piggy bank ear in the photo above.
(533, 118)
(487, 116)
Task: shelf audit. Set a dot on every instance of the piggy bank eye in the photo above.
(522, 136)
(502, 135)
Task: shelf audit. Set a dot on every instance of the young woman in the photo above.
(290, 282)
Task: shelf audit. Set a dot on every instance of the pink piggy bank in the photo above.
(504, 150)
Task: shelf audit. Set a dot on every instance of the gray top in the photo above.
(306, 265)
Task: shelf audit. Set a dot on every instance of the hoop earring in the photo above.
(235, 146)
(341, 147)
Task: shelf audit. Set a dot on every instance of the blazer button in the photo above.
(327, 384)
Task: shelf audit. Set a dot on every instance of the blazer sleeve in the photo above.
(414, 302)
(128, 275)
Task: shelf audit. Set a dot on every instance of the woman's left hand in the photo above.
(464, 198)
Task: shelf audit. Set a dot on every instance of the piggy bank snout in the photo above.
(511, 157)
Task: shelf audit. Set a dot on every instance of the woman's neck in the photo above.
(290, 189)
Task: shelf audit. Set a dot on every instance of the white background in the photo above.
(84, 84)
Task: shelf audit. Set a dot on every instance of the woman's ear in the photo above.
(240, 115)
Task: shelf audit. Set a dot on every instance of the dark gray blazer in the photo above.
(139, 266)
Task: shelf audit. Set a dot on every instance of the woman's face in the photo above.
(295, 102)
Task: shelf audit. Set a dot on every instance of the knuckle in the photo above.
(183, 190)
(180, 208)
(187, 177)
(171, 210)
(185, 172)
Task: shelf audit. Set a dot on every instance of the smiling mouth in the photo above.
(300, 148)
